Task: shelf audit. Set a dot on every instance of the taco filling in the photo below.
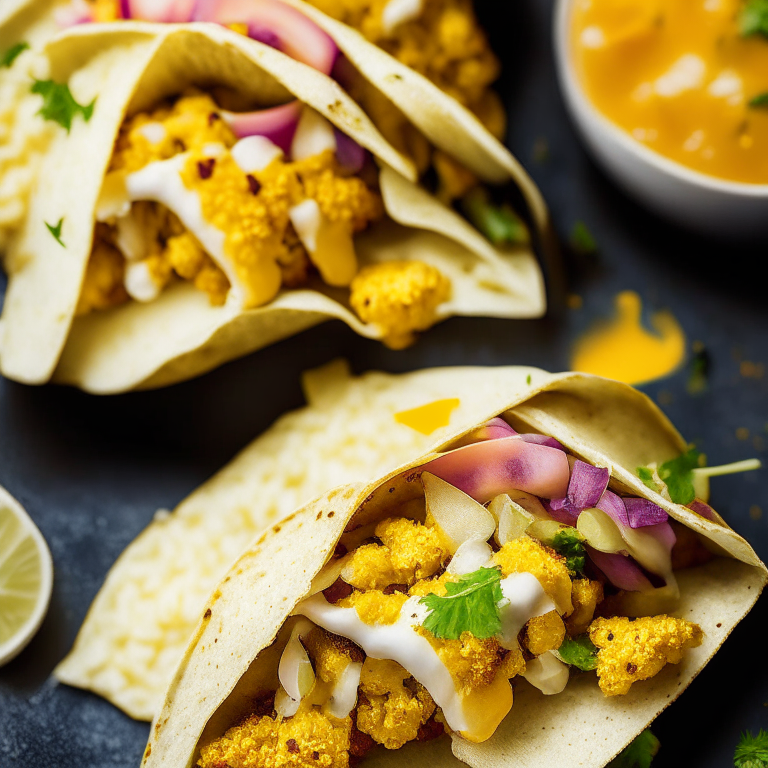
(518, 560)
(190, 197)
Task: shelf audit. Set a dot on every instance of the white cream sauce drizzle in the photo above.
(524, 598)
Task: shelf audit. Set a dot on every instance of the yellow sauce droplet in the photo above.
(430, 417)
(626, 351)
(485, 708)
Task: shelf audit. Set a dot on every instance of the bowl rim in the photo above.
(575, 93)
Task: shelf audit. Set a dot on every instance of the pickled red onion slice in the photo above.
(278, 124)
(487, 469)
(275, 23)
(621, 571)
(642, 513)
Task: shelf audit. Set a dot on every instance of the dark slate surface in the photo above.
(92, 471)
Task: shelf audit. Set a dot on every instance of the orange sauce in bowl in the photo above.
(678, 76)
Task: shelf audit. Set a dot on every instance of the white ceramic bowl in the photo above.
(698, 201)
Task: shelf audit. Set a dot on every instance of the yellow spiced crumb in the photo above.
(374, 607)
(544, 633)
(401, 297)
(632, 650)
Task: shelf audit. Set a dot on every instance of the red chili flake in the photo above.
(430, 730)
(337, 591)
(392, 588)
(610, 636)
(213, 117)
(631, 668)
(205, 168)
(292, 746)
(315, 755)
(253, 184)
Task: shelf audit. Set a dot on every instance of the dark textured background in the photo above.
(92, 471)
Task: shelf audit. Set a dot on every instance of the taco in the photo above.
(190, 231)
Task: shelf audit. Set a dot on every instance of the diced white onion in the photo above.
(314, 135)
(285, 706)
(295, 669)
(512, 519)
(344, 695)
(459, 517)
(131, 238)
(255, 153)
(153, 132)
(139, 283)
(397, 12)
(547, 673)
(306, 218)
(471, 555)
(214, 149)
(600, 531)
(545, 530)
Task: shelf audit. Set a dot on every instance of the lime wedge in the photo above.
(26, 577)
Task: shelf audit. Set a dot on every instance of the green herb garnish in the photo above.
(470, 605)
(582, 240)
(56, 231)
(7, 59)
(579, 652)
(754, 18)
(568, 542)
(639, 754)
(499, 223)
(59, 104)
(528, 380)
(752, 751)
(760, 101)
(646, 475)
(678, 475)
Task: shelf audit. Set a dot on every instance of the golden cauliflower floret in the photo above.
(393, 706)
(103, 284)
(331, 653)
(374, 607)
(585, 595)
(544, 633)
(472, 661)
(309, 739)
(400, 297)
(435, 586)
(513, 664)
(526, 555)
(409, 551)
(637, 649)
(191, 123)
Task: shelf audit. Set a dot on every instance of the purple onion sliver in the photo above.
(622, 571)
(587, 485)
(613, 506)
(641, 513)
(561, 510)
(264, 35)
(350, 154)
(125, 9)
(550, 442)
(703, 509)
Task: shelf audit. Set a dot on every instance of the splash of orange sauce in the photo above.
(430, 417)
(624, 350)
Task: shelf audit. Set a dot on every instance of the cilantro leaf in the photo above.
(752, 751)
(470, 605)
(7, 59)
(646, 475)
(639, 754)
(568, 542)
(580, 652)
(754, 18)
(500, 224)
(678, 475)
(582, 241)
(759, 101)
(59, 104)
(56, 231)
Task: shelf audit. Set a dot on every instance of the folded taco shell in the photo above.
(130, 66)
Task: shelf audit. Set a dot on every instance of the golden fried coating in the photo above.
(585, 595)
(309, 739)
(394, 706)
(433, 586)
(374, 607)
(513, 664)
(401, 297)
(409, 552)
(544, 633)
(330, 653)
(527, 555)
(638, 649)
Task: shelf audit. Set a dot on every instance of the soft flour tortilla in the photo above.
(143, 617)
(128, 67)
(231, 656)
